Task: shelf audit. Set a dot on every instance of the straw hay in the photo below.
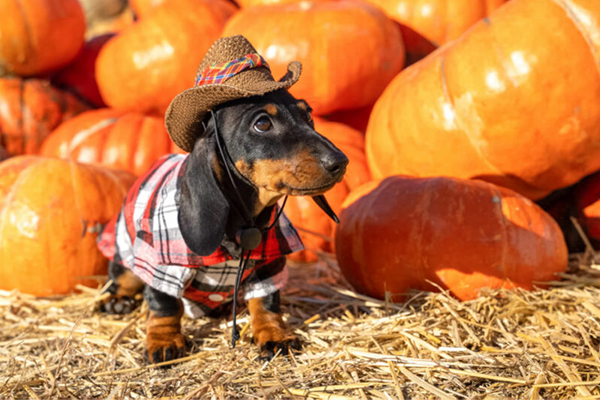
(514, 344)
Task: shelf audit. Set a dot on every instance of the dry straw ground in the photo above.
(506, 344)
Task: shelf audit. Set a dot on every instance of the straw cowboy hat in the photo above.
(230, 70)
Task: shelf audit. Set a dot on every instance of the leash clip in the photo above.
(249, 238)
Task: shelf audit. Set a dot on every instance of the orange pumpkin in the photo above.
(435, 22)
(349, 50)
(79, 76)
(142, 8)
(51, 213)
(315, 228)
(111, 138)
(252, 3)
(400, 233)
(522, 117)
(38, 36)
(145, 66)
(29, 110)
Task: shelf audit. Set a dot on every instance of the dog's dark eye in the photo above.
(263, 124)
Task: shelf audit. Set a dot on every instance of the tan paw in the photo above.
(272, 339)
(164, 347)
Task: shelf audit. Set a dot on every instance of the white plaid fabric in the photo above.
(145, 238)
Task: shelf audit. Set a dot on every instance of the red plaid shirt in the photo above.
(145, 238)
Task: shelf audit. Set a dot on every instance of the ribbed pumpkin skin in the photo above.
(462, 235)
(29, 110)
(349, 50)
(115, 139)
(50, 214)
(38, 36)
(438, 21)
(79, 77)
(149, 63)
(304, 213)
(521, 117)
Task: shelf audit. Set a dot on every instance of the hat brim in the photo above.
(184, 116)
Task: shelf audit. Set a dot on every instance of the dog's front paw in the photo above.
(273, 339)
(119, 305)
(164, 347)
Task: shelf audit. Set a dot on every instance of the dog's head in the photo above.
(273, 145)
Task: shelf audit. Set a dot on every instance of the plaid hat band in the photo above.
(219, 73)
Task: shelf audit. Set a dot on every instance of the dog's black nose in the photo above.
(335, 162)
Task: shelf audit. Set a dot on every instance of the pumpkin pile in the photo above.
(485, 121)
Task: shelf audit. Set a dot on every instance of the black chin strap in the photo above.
(248, 238)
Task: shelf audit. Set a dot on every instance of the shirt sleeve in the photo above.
(267, 278)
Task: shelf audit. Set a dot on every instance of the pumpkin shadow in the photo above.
(417, 46)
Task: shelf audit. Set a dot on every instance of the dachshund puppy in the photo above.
(176, 238)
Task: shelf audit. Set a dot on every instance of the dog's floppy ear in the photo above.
(203, 208)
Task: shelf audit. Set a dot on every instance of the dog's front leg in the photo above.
(123, 290)
(270, 332)
(164, 340)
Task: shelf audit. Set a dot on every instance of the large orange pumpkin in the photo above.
(51, 212)
(400, 233)
(29, 110)
(437, 21)
(315, 228)
(37, 36)
(349, 50)
(145, 66)
(79, 76)
(520, 117)
(252, 3)
(112, 138)
(143, 8)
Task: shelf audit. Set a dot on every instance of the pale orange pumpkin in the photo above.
(38, 36)
(150, 62)
(522, 117)
(349, 50)
(315, 228)
(115, 139)
(403, 233)
(51, 212)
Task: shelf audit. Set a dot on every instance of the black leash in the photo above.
(250, 238)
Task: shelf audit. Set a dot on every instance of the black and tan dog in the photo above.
(246, 152)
